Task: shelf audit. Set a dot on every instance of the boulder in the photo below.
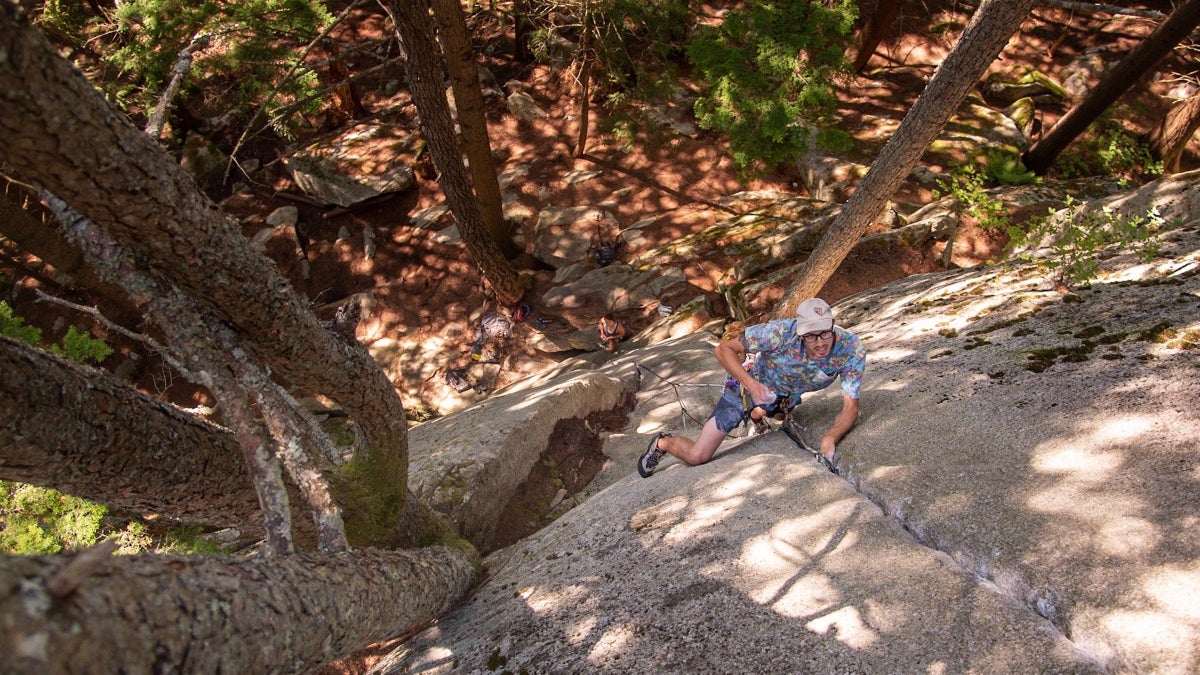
(616, 287)
(564, 234)
(367, 161)
(469, 476)
(1017, 496)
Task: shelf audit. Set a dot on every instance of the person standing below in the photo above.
(611, 332)
(790, 357)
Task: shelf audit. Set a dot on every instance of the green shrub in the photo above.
(251, 45)
(1075, 240)
(965, 184)
(14, 326)
(771, 71)
(1108, 149)
(35, 520)
(80, 347)
(1005, 167)
(189, 540)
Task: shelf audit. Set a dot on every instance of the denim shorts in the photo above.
(730, 412)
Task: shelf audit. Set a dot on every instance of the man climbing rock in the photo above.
(770, 366)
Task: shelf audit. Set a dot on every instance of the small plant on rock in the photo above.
(1075, 240)
(965, 186)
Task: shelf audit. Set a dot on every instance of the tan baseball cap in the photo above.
(813, 316)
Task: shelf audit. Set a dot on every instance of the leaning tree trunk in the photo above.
(984, 37)
(80, 431)
(468, 100)
(1116, 81)
(62, 134)
(158, 614)
(1169, 138)
(415, 30)
(875, 29)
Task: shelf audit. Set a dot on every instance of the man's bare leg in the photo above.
(694, 452)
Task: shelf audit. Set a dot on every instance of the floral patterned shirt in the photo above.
(781, 363)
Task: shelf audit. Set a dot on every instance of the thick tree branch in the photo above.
(219, 615)
(60, 132)
(72, 428)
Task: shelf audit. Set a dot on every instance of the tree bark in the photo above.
(1169, 138)
(875, 29)
(80, 431)
(521, 24)
(992, 25)
(168, 614)
(1116, 81)
(415, 30)
(60, 133)
(585, 80)
(468, 99)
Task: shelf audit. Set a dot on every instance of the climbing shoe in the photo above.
(648, 462)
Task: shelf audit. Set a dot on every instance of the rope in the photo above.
(685, 415)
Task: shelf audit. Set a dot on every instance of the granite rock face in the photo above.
(1018, 496)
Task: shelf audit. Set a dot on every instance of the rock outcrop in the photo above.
(1018, 496)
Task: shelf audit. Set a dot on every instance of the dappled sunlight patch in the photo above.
(655, 417)
(892, 472)
(577, 632)
(949, 506)
(553, 600)
(1127, 537)
(1151, 636)
(1081, 464)
(890, 355)
(614, 642)
(847, 626)
(810, 595)
(706, 513)
(1116, 530)
(783, 563)
(1177, 591)
(660, 515)
(532, 399)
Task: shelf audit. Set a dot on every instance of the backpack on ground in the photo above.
(457, 378)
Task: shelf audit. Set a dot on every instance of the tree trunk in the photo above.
(984, 37)
(168, 614)
(1116, 81)
(521, 53)
(585, 80)
(468, 98)
(415, 30)
(875, 29)
(60, 132)
(1169, 138)
(80, 431)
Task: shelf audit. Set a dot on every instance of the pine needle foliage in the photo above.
(248, 46)
(633, 46)
(772, 69)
